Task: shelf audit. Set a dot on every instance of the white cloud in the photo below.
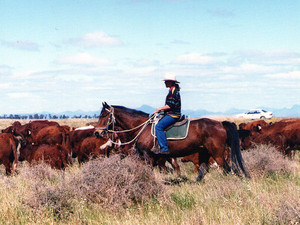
(275, 57)
(74, 77)
(247, 68)
(5, 85)
(229, 77)
(84, 59)
(21, 44)
(141, 70)
(194, 58)
(96, 39)
(5, 70)
(21, 95)
(287, 75)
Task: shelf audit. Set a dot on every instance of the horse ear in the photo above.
(106, 105)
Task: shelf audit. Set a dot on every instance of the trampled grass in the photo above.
(108, 191)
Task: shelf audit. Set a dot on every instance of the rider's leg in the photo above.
(160, 133)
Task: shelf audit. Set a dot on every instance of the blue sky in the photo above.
(69, 55)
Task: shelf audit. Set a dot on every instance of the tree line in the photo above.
(46, 116)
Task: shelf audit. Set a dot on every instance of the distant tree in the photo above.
(54, 117)
(36, 116)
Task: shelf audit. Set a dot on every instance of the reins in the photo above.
(112, 121)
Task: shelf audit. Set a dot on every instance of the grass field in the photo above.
(110, 191)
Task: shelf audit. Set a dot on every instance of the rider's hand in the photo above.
(156, 111)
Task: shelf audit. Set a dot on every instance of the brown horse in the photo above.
(203, 134)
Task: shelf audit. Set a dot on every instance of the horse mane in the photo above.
(131, 111)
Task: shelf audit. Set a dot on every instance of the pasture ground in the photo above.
(40, 195)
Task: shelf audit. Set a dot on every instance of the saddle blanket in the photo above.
(177, 131)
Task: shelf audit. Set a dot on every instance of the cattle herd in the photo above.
(59, 145)
(284, 135)
(47, 141)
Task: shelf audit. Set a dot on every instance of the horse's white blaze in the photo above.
(107, 144)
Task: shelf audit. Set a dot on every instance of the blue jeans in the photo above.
(160, 131)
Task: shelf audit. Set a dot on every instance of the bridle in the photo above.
(112, 121)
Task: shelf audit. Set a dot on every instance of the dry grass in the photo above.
(114, 191)
(110, 183)
(70, 122)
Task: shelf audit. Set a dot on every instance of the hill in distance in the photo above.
(284, 112)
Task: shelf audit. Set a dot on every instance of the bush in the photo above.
(113, 183)
(265, 160)
(48, 191)
(110, 182)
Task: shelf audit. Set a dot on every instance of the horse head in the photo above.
(105, 116)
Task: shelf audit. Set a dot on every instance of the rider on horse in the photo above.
(172, 112)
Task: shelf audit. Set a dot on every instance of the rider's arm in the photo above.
(162, 109)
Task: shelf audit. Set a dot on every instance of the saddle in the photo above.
(177, 131)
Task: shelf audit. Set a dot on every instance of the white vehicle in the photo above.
(255, 114)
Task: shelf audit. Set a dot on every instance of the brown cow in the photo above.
(29, 130)
(9, 147)
(92, 147)
(276, 139)
(11, 128)
(197, 159)
(76, 137)
(284, 134)
(292, 135)
(278, 126)
(51, 135)
(54, 155)
(253, 127)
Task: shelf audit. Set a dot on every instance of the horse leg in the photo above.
(203, 169)
(217, 152)
(161, 163)
(173, 162)
(203, 158)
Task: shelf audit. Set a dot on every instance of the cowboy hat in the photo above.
(171, 77)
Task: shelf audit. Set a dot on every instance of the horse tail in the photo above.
(234, 142)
